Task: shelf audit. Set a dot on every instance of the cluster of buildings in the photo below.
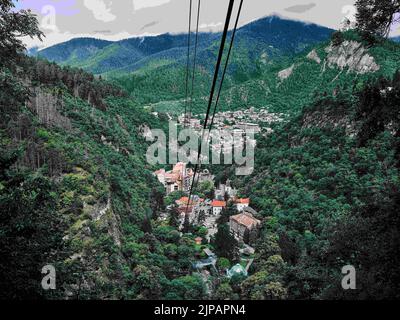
(180, 178)
(190, 121)
(231, 128)
(244, 226)
(248, 119)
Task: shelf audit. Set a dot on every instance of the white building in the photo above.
(241, 204)
(217, 207)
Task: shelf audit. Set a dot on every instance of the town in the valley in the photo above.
(247, 119)
(205, 211)
(220, 216)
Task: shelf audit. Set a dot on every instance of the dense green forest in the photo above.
(328, 185)
(77, 192)
(159, 87)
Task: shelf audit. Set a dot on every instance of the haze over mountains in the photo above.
(272, 36)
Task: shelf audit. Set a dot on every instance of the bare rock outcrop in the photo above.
(351, 55)
(284, 74)
(145, 132)
(313, 55)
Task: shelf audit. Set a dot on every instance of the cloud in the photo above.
(136, 17)
(210, 25)
(100, 10)
(301, 8)
(148, 25)
(64, 8)
(140, 4)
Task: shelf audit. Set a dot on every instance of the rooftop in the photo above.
(243, 201)
(195, 200)
(217, 203)
(208, 252)
(237, 269)
(246, 219)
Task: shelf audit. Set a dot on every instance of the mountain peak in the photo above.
(273, 35)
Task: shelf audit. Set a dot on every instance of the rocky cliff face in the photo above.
(284, 74)
(313, 55)
(351, 55)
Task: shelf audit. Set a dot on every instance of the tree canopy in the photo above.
(377, 16)
(13, 26)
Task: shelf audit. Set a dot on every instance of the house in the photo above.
(185, 210)
(245, 226)
(217, 207)
(241, 204)
(182, 201)
(198, 241)
(194, 201)
(195, 209)
(178, 179)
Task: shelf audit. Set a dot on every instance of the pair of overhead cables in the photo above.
(213, 87)
(189, 104)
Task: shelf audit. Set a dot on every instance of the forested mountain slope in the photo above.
(271, 36)
(284, 86)
(76, 191)
(327, 187)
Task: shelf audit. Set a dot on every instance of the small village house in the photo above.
(192, 209)
(244, 226)
(217, 207)
(241, 204)
(178, 179)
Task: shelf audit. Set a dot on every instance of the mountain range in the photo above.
(285, 84)
(271, 36)
(276, 63)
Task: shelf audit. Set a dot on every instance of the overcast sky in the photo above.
(62, 20)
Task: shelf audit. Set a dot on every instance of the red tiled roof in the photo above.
(217, 203)
(243, 201)
(183, 200)
(245, 220)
